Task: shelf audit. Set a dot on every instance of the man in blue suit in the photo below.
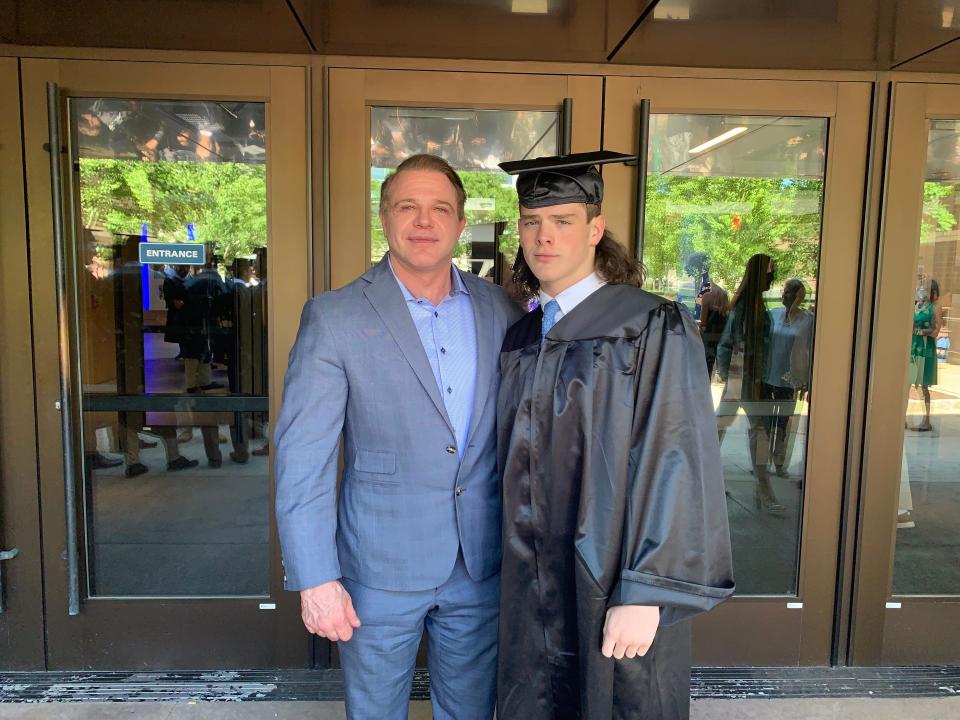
(402, 362)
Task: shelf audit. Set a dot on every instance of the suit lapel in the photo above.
(483, 317)
(385, 295)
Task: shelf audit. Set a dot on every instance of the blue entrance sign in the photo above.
(155, 253)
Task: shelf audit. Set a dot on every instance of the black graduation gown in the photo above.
(612, 495)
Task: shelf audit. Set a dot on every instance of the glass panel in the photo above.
(181, 183)
(163, 520)
(734, 209)
(928, 518)
(474, 142)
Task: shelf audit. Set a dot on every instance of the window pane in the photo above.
(474, 142)
(179, 527)
(928, 522)
(175, 498)
(733, 217)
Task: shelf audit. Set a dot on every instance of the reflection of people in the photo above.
(128, 337)
(711, 308)
(175, 298)
(905, 505)
(403, 361)
(205, 291)
(787, 374)
(746, 339)
(241, 330)
(133, 423)
(615, 525)
(927, 321)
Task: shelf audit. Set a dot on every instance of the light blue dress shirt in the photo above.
(784, 352)
(448, 334)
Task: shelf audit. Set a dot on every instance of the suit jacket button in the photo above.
(459, 490)
(451, 449)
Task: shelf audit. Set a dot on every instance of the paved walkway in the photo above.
(812, 709)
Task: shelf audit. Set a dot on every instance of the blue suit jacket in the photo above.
(358, 367)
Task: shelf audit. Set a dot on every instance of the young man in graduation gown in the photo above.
(615, 521)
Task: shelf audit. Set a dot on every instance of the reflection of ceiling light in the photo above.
(672, 10)
(728, 135)
(947, 16)
(531, 7)
(415, 113)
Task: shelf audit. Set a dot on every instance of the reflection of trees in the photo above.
(937, 217)
(731, 219)
(226, 202)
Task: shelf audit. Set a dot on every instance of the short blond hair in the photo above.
(432, 163)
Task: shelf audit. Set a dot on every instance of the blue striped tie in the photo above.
(550, 311)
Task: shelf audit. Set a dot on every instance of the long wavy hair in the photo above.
(751, 320)
(611, 262)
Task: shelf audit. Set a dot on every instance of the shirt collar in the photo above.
(575, 294)
(457, 286)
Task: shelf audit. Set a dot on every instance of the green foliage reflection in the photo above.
(730, 219)
(226, 202)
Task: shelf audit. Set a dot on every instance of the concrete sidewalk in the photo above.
(792, 709)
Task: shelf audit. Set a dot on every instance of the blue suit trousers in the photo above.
(460, 617)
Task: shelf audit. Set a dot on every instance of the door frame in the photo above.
(191, 633)
(350, 93)
(21, 622)
(897, 629)
(774, 630)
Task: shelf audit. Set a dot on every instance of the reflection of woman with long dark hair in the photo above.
(747, 335)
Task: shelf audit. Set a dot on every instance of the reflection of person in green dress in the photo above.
(927, 321)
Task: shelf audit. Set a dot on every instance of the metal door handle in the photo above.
(5, 555)
(640, 209)
(67, 378)
(566, 134)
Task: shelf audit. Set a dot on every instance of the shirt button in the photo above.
(449, 390)
(443, 351)
(451, 449)
(459, 490)
(436, 314)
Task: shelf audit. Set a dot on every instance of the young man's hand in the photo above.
(629, 630)
(327, 611)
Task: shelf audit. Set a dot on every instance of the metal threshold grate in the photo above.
(320, 685)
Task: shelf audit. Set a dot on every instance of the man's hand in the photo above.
(327, 611)
(629, 630)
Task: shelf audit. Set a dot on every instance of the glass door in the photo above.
(378, 118)
(753, 207)
(21, 604)
(184, 221)
(908, 595)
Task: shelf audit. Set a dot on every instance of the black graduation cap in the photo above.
(563, 179)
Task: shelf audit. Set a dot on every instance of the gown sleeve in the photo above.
(676, 542)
